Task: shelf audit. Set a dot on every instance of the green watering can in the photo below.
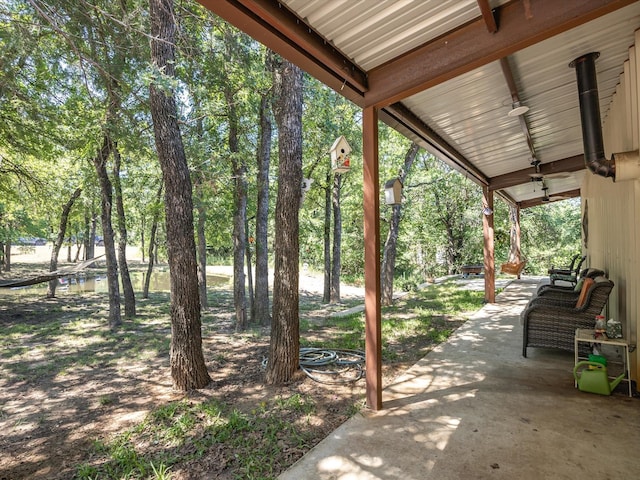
(594, 379)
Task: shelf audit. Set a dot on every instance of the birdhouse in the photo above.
(340, 155)
(306, 185)
(393, 192)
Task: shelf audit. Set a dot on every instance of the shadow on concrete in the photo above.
(475, 408)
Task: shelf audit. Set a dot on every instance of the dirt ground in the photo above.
(49, 420)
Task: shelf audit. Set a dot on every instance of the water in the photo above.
(98, 284)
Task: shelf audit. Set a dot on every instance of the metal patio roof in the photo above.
(446, 73)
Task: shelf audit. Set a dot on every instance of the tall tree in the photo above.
(188, 369)
(239, 172)
(106, 189)
(284, 348)
(121, 222)
(233, 57)
(261, 301)
(53, 265)
(389, 253)
(152, 241)
(326, 293)
(336, 264)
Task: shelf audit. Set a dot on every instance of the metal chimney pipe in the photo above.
(594, 157)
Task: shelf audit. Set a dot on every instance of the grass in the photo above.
(183, 431)
(413, 324)
(249, 443)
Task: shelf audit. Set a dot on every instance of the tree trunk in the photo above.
(514, 250)
(261, 303)
(337, 240)
(57, 243)
(143, 226)
(239, 172)
(202, 253)
(326, 295)
(248, 242)
(188, 369)
(7, 256)
(152, 243)
(106, 189)
(389, 254)
(91, 242)
(284, 349)
(127, 287)
(87, 233)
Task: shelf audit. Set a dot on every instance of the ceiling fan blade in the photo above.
(558, 175)
(549, 176)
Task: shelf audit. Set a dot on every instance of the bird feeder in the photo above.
(393, 192)
(340, 155)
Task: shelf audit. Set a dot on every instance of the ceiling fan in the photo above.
(538, 176)
(551, 198)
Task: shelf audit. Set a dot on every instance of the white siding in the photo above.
(613, 210)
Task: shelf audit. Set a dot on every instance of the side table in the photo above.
(587, 336)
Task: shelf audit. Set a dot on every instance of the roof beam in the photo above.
(487, 14)
(515, 98)
(571, 164)
(521, 24)
(272, 24)
(405, 121)
(534, 202)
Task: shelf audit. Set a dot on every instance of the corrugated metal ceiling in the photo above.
(372, 32)
(469, 112)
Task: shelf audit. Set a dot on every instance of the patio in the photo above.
(475, 408)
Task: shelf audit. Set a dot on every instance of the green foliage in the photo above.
(425, 317)
(55, 87)
(551, 235)
(185, 430)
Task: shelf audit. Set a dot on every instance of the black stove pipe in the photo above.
(594, 157)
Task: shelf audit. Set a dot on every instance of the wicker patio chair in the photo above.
(552, 322)
(570, 276)
(565, 270)
(570, 291)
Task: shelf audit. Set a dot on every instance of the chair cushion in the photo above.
(583, 293)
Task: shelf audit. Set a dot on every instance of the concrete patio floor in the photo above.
(474, 408)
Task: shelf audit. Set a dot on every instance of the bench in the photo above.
(471, 270)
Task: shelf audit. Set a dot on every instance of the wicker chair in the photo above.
(565, 291)
(552, 322)
(570, 276)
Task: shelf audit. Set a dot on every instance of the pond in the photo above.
(84, 283)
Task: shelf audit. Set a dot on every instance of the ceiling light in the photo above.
(517, 109)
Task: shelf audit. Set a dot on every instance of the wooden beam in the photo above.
(272, 24)
(521, 24)
(571, 164)
(515, 97)
(400, 118)
(488, 249)
(516, 226)
(487, 15)
(372, 308)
